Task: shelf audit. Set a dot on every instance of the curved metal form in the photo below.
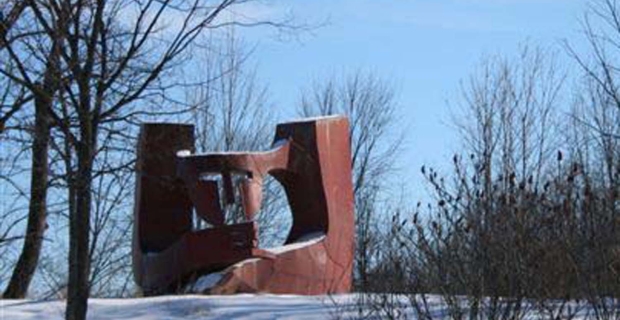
(310, 158)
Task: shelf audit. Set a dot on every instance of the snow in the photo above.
(305, 240)
(188, 153)
(317, 118)
(205, 282)
(181, 307)
(184, 153)
(243, 306)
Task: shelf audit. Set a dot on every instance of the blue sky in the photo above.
(423, 47)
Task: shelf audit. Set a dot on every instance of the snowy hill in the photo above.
(246, 306)
(185, 307)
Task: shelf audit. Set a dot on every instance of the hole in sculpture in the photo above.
(273, 216)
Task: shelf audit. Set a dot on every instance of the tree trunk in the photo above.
(79, 229)
(29, 257)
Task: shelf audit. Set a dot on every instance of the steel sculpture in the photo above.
(310, 158)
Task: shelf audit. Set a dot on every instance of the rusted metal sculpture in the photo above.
(310, 158)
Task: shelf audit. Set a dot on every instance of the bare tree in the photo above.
(14, 193)
(596, 144)
(507, 119)
(7, 110)
(36, 71)
(485, 209)
(108, 78)
(520, 218)
(599, 102)
(7, 22)
(100, 58)
(230, 110)
(370, 104)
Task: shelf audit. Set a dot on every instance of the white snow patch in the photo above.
(274, 147)
(251, 306)
(308, 119)
(244, 306)
(243, 262)
(205, 282)
(303, 241)
(279, 143)
(184, 153)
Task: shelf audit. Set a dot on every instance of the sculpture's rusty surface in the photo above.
(310, 158)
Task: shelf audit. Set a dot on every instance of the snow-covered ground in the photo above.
(244, 306)
(184, 307)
